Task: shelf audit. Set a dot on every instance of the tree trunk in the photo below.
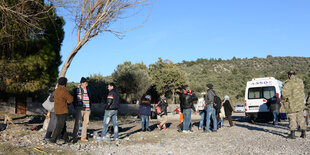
(67, 63)
(173, 97)
(21, 104)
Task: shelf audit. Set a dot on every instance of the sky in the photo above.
(188, 30)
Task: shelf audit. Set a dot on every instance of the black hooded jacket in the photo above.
(187, 101)
(113, 100)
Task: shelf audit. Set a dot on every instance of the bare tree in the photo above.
(93, 17)
(22, 14)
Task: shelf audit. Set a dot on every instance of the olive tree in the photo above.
(132, 80)
(93, 17)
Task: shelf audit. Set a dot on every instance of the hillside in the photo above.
(230, 76)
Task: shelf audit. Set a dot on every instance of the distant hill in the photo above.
(230, 76)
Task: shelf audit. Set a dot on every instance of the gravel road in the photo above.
(243, 138)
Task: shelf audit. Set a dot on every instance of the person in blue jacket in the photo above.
(145, 112)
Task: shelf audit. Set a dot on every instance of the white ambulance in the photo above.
(257, 92)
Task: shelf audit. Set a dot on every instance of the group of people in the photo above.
(145, 113)
(212, 110)
(61, 98)
(209, 110)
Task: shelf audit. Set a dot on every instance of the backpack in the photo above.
(217, 103)
(158, 110)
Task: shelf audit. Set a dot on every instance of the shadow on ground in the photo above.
(258, 127)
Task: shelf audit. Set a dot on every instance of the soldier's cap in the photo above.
(291, 72)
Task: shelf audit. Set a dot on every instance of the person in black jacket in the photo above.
(110, 113)
(274, 106)
(187, 98)
(163, 104)
(145, 112)
(228, 109)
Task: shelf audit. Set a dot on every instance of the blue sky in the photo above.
(187, 30)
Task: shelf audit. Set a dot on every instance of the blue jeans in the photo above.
(203, 118)
(275, 116)
(145, 121)
(211, 113)
(187, 118)
(108, 115)
(222, 120)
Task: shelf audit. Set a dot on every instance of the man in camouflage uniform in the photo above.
(293, 103)
(307, 110)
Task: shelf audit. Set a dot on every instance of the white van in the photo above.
(257, 92)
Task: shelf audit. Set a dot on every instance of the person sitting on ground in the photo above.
(163, 104)
(145, 112)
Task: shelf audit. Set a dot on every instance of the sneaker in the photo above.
(185, 131)
(143, 130)
(199, 128)
(104, 139)
(47, 139)
(148, 129)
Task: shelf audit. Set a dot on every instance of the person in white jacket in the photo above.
(202, 112)
(222, 115)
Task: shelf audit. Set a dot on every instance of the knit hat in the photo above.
(210, 85)
(62, 81)
(83, 80)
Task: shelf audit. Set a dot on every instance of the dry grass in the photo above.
(6, 148)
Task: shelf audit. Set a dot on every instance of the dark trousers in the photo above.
(51, 125)
(218, 120)
(60, 127)
(230, 120)
(78, 118)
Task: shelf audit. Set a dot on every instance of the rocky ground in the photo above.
(243, 138)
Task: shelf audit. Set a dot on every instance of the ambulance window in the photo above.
(255, 93)
(268, 92)
(261, 92)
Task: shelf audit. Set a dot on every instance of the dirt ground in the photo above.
(244, 138)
